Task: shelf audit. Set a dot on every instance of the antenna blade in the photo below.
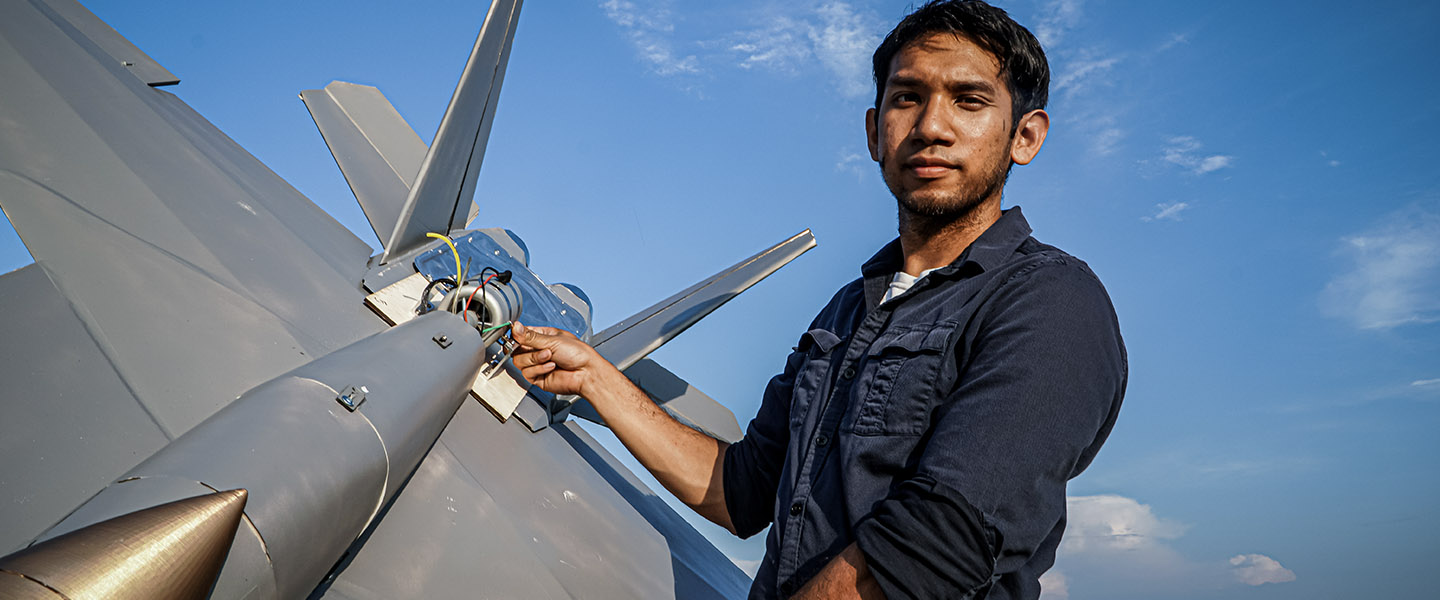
(439, 199)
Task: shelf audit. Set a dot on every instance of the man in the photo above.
(919, 440)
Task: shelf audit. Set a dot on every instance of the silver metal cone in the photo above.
(170, 551)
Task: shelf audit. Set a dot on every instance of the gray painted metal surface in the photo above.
(699, 569)
(162, 232)
(560, 518)
(119, 49)
(68, 424)
(176, 272)
(318, 472)
(440, 196)
(377, 151)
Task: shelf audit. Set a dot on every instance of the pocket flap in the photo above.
(818, 338)
(911, 341)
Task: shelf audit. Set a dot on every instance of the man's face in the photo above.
(942, 131)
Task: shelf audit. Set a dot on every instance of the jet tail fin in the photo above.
(377, 151)
(630, 340)
(627, 343)
(691, 406)
(445, 184)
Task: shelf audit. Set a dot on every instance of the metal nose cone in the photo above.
(173, 550)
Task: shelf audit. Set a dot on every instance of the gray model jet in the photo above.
(210, 387)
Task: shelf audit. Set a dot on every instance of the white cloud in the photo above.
(782, 46)
(1105, 142)
(1393, 276)
(835, 34)
(1053, 587)
(853, 162)
(1056, 18)
(1083, 74)
(1110, 522)
(1115, 545)
(648, 28)
(1176, 39)
(1169, 212)
(1425, 382)
(844, 42)
(1184, 151)
(1258, 569)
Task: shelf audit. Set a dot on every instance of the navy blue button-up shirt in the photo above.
(937, 430)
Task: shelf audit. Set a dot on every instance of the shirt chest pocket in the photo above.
(811, 381)
(901, 380)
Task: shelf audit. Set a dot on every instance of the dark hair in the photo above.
(1022, 60)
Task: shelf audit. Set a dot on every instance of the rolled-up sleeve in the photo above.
(1044, 379)
(753, 464)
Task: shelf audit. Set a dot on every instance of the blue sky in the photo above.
(1253, 182)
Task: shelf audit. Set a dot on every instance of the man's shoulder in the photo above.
(1053, 265)
(1041, 277)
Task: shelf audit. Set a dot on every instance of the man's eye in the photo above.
(906, 98)
(972, 101)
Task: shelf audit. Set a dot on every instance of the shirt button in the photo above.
(848, 373)
(796, 508)
(822, 440)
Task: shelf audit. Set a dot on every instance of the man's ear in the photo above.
(872, 133)
(1029, 137)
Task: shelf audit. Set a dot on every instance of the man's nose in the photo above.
(934, 123)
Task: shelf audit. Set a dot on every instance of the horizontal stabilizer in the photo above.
(691, 406)
(630, 340)
(440, 198)
(119, 49)
(378, 152)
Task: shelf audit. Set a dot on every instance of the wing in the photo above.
(175, 272)
(60, 445)
(197, 271)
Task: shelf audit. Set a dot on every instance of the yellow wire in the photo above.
(451, 244)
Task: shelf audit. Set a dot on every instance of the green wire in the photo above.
(490, 329)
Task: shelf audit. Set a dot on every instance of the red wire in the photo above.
(465, 312)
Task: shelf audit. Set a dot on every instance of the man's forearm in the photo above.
(846, 576)
(688, 463)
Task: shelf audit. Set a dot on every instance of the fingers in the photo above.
(541, 337)
(534, 372)
(530, 358)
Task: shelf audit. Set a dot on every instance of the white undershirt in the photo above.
(902, 282)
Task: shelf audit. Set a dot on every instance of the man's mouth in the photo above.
(927, 167)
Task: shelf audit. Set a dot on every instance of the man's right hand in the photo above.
(688, 463)
(557, 361)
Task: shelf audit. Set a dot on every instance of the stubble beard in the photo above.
(940, 211)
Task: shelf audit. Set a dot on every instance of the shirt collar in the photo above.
(990, 250)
